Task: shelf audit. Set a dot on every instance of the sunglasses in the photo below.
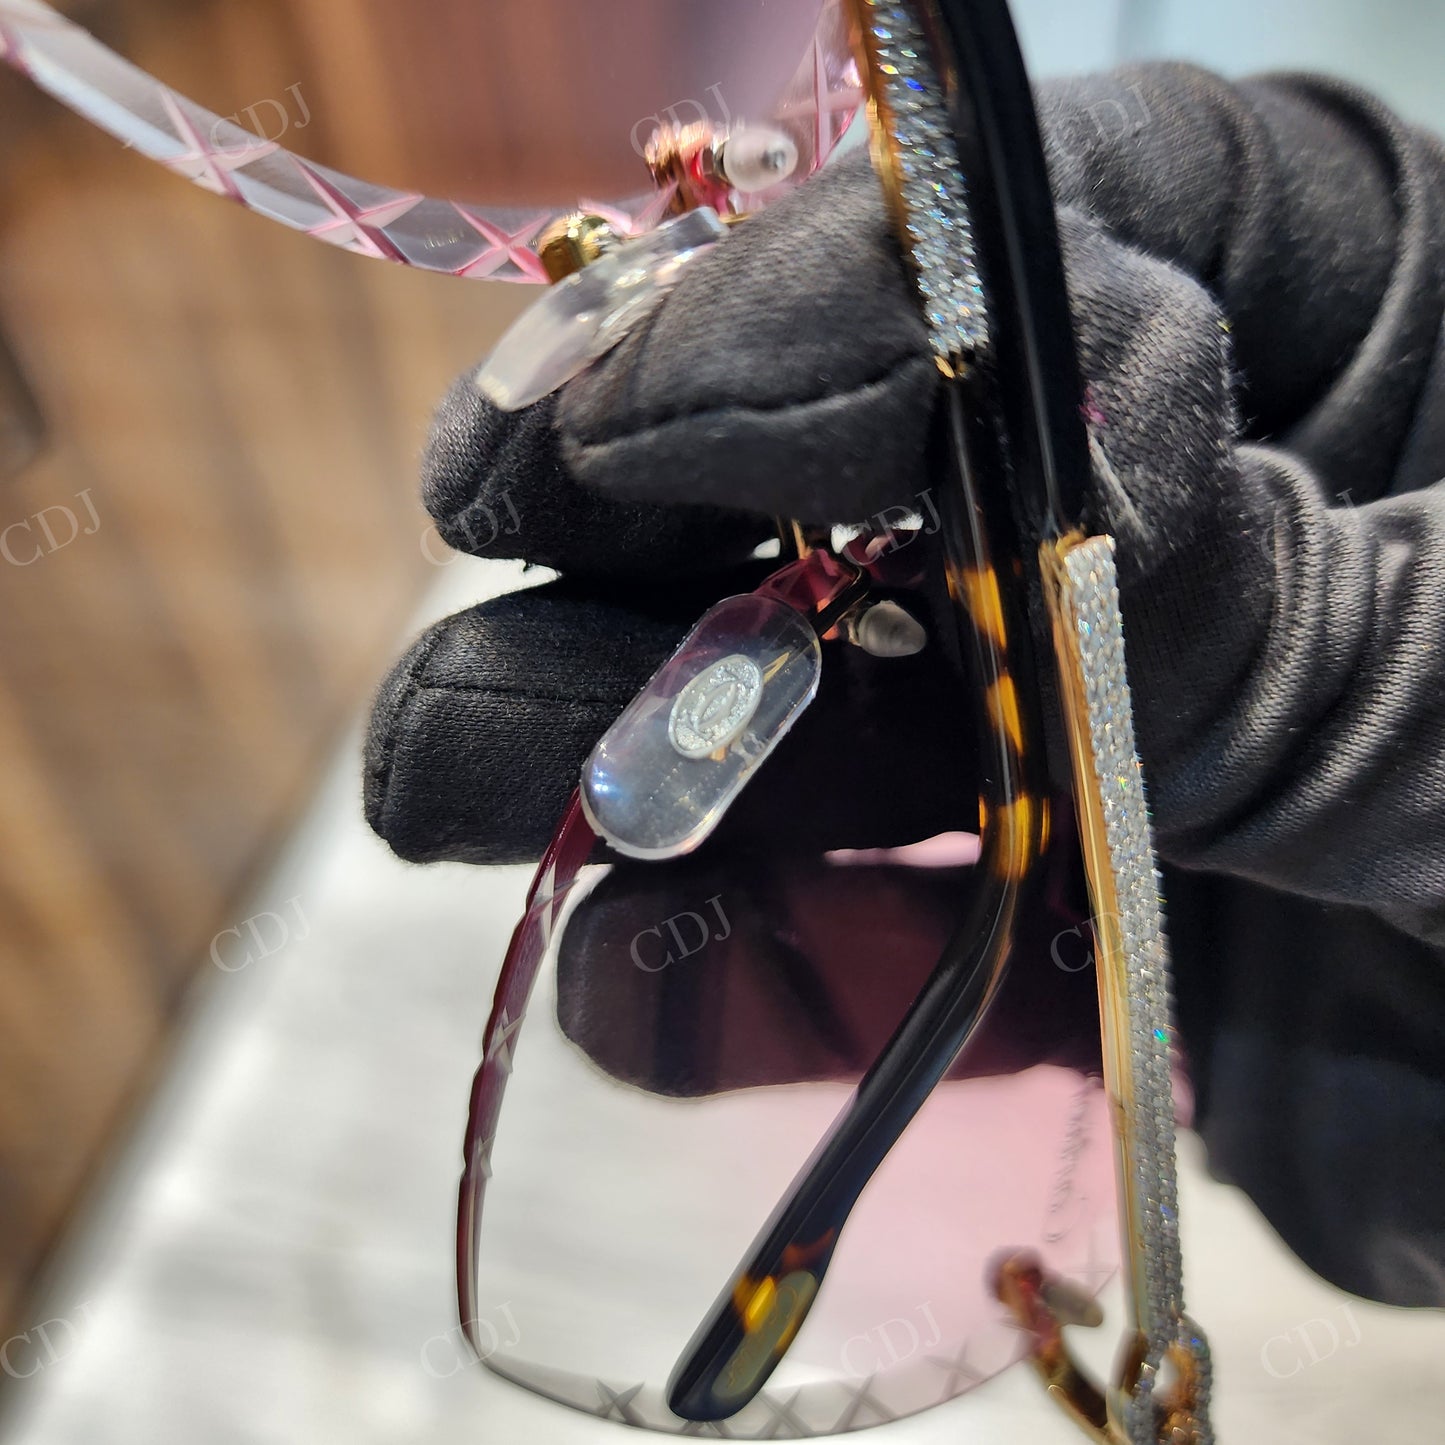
(811, 1130)
(712, 1003)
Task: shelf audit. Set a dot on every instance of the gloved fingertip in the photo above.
(496, 486)
(478, 736)
(788, 373)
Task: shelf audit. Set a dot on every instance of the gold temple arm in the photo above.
(1131, 963)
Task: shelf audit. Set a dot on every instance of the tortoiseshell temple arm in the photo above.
(753, 1321)
(1041, 403)
(1039, 400)
(756, 1316)
(1018, 459)
(456, 237)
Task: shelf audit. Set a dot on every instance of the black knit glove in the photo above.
(1257, 281)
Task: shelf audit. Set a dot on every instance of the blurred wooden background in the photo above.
(231, 417)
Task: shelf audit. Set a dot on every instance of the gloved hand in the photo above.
(1257, 279)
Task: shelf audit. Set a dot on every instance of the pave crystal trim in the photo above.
(931, 182)
(1091, 598)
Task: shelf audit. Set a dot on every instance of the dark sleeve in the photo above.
(1304, 746)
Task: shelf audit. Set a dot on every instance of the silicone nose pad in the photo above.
(666, 771)
(582, 318)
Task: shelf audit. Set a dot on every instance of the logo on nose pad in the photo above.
(715, 707)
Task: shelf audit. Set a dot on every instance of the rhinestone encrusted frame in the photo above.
(930, 178)
(1090, 595)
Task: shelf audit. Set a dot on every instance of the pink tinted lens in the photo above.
(692, 1030)
(447, 134)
